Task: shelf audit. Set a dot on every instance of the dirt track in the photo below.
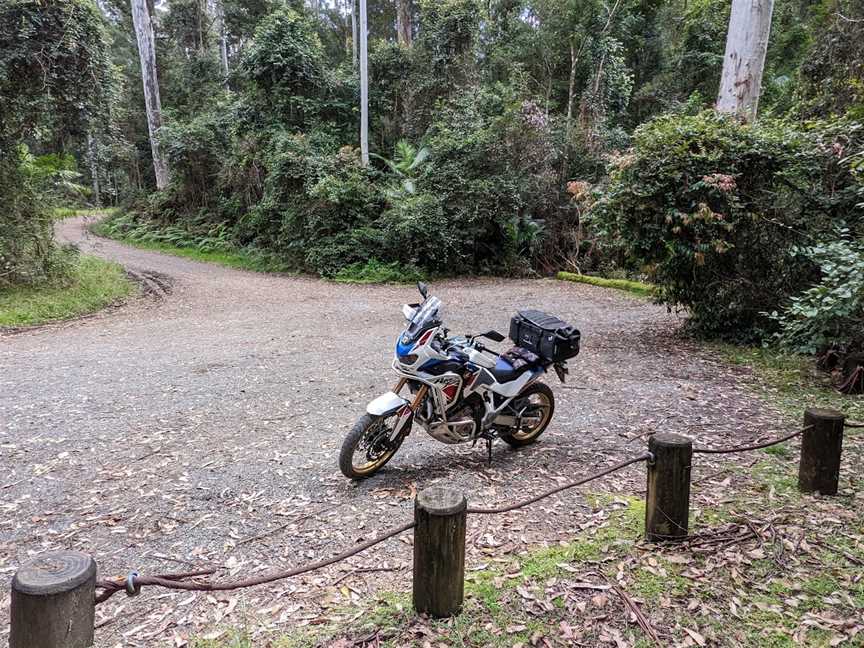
(179, 430)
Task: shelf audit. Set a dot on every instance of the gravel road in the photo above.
(204, 428)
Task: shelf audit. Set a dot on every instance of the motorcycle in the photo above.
(460, 391)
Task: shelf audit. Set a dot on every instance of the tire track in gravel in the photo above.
(183, 427)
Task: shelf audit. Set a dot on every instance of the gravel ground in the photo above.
(204, 428)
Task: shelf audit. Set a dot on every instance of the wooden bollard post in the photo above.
(439, 551)
(53, 602)
(667, 504)
(821, 447)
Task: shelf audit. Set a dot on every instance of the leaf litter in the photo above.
(227, 460)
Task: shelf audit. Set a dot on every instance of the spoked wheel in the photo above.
(533, 409)
(368, 446)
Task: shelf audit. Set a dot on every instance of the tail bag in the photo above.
(550, 338)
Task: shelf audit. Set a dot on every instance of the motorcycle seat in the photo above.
(506, 370)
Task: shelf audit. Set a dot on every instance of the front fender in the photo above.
(386, 404)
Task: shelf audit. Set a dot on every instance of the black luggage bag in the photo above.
(549, 337)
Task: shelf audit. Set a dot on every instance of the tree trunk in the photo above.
(744, 61)
(354, 33)
(147, 55)
(219, 14)
(94, 168)
(404, 33)
(364, 88)
(571, 95)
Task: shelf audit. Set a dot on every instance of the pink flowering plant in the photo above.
(714, 210)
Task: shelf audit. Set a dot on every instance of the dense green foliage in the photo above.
(831, 313)
(712, 211)
(53, 71)
(510, 137)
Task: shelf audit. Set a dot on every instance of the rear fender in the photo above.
(386, 404)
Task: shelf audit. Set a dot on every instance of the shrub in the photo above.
(492, 165)
(28, 254)
(711, 210)
(830, 313)
(196, 151)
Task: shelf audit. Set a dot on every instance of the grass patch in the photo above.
(374, 271)
(59, 213)
(791, 382)
(92, 284)
(635, 287)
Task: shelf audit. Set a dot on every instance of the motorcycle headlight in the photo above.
(409, 359)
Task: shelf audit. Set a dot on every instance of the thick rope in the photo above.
(175, 581)
(512, 507)
(759, 446)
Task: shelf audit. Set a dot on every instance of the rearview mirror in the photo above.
(423, 288)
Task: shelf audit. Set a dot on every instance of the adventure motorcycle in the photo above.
(460, 391)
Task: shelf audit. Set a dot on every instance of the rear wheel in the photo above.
(533, 409)
(368, 446)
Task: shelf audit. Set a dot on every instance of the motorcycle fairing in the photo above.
(386, 404)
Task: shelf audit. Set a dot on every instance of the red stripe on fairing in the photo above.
(425, 337)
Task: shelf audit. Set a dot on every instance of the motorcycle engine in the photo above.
(462, 424)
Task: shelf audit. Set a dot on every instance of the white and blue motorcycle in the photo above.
(458, 390)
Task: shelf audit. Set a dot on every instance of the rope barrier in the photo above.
(854, 424)
(178, 582)
(133, 582)
(759, 446)
(645, 456)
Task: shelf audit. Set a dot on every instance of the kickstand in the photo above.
(489, 452)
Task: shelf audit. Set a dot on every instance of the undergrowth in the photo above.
(210, 244)
(374, 271)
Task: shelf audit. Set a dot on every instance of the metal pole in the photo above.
(364, 87)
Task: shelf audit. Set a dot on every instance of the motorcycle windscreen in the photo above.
(427, 316)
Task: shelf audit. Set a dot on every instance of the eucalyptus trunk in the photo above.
(354, 33)
(404, 32)
(92, 156)
(149, 77)
(744, 61)
(364, 88)
(219, 11)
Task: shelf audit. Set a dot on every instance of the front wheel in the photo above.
(533, 409)
(368, 446)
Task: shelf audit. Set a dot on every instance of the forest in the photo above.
(505, 137)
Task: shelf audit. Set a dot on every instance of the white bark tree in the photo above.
(744, 61)
(92, 156)
(364, 87)
(147, 56)
(219, 15)
(354, 33)
(404, 31)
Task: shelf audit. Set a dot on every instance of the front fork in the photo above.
(407, 411)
